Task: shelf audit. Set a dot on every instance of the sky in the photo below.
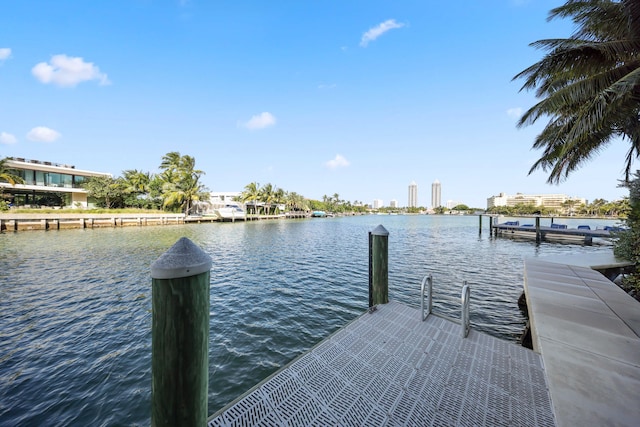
(354, 97)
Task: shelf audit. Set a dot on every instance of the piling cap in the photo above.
(380, 231)
(183, 259)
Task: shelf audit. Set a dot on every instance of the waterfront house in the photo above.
(47, 184)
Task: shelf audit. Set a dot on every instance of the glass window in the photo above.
(40, 178)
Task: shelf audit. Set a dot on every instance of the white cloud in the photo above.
(338, 162)
(514, 113)
(260, 121)
(7, 138)
(68, 71)
(43, 134)
(379, 30)
(5, 53)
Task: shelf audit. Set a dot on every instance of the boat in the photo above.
(230, 212)
(556, 232)
(319, 214)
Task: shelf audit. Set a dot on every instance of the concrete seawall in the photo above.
(25, 222)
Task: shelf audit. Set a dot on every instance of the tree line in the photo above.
(268, 200)
(174, 189)
(599, 207)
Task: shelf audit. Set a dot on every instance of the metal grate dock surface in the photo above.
(388, 368)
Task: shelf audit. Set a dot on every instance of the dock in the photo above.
(555, 231)
(390, 368)
(55, 221)
(587, 330)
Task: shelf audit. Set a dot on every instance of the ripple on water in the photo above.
(75, 305)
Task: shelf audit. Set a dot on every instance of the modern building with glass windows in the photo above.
(47, 184)
(436, 196)
(413, 195)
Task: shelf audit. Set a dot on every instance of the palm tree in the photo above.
(267, 194)
(183, 193)
(136, 181)
(251, 193)
(589, 85)
(9, 175)
(279, 198)
(181, 185)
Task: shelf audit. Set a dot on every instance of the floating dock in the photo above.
(390, 368)
(553, 232)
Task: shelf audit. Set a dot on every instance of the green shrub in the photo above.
(627, 245)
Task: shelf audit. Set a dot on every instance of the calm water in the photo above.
(75, 305)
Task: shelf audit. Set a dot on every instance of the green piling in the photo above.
(180, 336)
(378, 266)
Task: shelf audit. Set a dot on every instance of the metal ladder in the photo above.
(427, 283)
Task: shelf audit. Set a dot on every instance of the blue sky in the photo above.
(357, 98)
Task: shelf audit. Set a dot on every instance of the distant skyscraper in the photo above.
(436, 190)
(377, 203)
(413, 195)
(393, 203)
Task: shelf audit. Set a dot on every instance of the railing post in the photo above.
(464, 316)
(180, 336)
(427, 283)
(378, 266)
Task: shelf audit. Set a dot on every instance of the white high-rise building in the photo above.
(413, 195)
(393, 203)
(377, 203)
(436, 194)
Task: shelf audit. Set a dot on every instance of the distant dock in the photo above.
(50, 221)
(60, 221)
(580, 234)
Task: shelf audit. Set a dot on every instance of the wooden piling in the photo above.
(180, 336)
(538, 234)
(378, 266)
(480, 225)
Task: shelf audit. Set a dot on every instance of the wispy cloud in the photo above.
(379, 30)
(7, 138)
(338, 162)
(260, 121)
(68, 71)
(43, 134)
(514, 113)
(5, 53)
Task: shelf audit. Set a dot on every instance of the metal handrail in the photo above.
(464, 316)
(465, 297)
(428, 280)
